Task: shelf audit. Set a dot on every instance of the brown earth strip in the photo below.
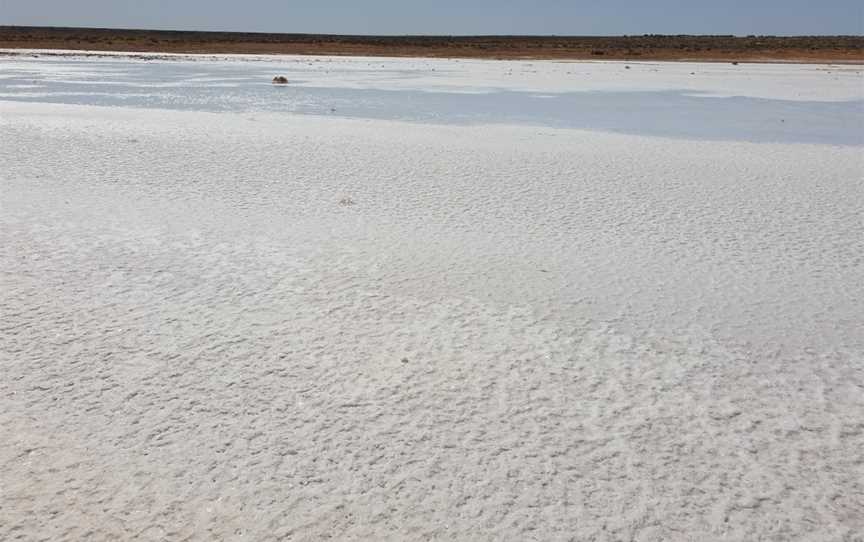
(849, 49)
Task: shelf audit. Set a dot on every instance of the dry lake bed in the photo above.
(419, 299)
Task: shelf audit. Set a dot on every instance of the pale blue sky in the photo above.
(562, 17)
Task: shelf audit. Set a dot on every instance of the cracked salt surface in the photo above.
(608, 336)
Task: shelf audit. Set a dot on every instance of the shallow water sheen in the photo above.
(245, 87)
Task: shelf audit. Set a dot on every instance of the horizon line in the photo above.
(423, 35)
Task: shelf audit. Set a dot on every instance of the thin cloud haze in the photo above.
(452, 17)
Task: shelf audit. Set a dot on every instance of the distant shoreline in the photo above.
(808, 49)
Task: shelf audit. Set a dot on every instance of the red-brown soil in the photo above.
(648, 47)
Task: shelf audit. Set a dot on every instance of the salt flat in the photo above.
(282, 322)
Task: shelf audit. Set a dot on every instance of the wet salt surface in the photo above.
(245, 87)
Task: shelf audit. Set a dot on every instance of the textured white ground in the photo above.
(510, 333)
